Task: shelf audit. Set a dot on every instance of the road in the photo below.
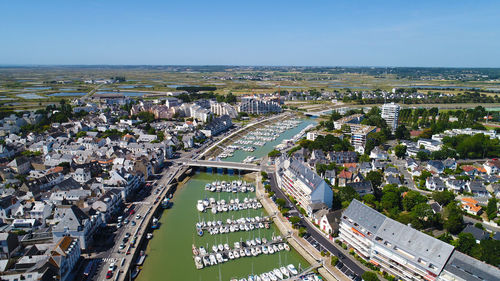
(315, 233)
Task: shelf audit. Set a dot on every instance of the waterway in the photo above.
(169, 255)
(261, 151)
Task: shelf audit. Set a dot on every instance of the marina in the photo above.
(222, 253)
(170, 251)
(254, 145)
(232, 205)
(241, 224)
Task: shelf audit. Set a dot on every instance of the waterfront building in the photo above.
(254, 105)
(390, 112)
(74, 222)
(461, 267)
(217, 126)
(303, 184)
(223, 108)
(397, 248)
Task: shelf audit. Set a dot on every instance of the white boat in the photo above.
(278, 273)
(292, 269)
(200, 206)
(286, 247)
(272, 276)
(149, 235)
(284, 271)
(236, 254)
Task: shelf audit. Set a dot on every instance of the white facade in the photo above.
(390, 112)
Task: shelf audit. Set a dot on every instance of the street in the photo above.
(315, 235)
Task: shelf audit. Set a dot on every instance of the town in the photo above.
(363, 184)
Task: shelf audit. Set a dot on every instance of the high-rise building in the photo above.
(390, 112)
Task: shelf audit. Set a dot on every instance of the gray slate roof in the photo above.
(471, 269)
(364, 216)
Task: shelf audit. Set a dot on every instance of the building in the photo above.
(75, 223)
(223, 108)
(430, 144)
(461, 267)
(217, 126)
(359, 136)
(81, 175)
(398, 249)
(299, 181)
(471, 206)
(8, 243)
(390, 112)
(64, 256)
(255, 105)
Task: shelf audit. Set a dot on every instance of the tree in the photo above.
(489, 251)
(294, 220)
(491, 208)
(402, 133)
(364, 158)
(412, 199)
(466, 242)
(443, 197)
(370, 276)
(400, 150)
(274, 153)
(454, 219)
(390, 200)
(281, 203)
(375, 177)
(370, 199)
(347, 193)
(422, 156)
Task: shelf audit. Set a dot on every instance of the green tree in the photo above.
(443, 197)
(390, 200)
(375, 177)
(371, 200)
(402, 133)
(294, 220)
(370, 276)
(465, 243)
(412, 199)
(422, 156)
(490, 249)
(491, 208)
(400, 150)
(454, 219)
(281, 203)
(274, 153)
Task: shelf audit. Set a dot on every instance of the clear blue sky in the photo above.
(252, 32)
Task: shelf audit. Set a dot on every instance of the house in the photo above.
(455, 185)
(435, 166)
(330, 175)
(377, 165)
(393, 179)
(411, 164)
(450, 163)
(20, 165)
(108, 204)
(477, 188)
(65, 256)
(492, 167)
(329, 222)
(75, 223)
(217, 126)
(40, 211)
(478, 234)
(344, 177)
(471, 206)
(340, 157)
(365, 167)
(378, 154)
(435, 183)
(7, 205)
(8, 243)
(362, 187)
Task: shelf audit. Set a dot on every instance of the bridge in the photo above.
(319, 113)
(220, 164)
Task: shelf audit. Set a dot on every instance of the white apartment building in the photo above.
(302, 183)
(390, 112)
(398, 249)
(358, 137)
(254, 105)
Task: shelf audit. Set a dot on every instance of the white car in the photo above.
(112, 267)
(138, 217)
